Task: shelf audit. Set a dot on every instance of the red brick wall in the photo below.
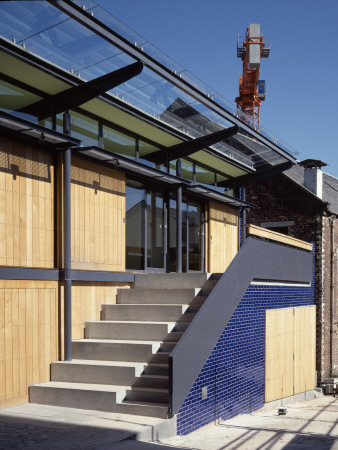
(279, 199)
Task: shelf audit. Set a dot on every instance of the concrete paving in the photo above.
(311, 424)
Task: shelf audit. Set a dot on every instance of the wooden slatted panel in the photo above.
(223, 236)
(28, 336)
(279, 333)
(87, 298)
(26, 205)
(98, 212)
(290, 335)
(305, 349)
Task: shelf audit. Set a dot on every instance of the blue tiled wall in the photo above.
(234, 372)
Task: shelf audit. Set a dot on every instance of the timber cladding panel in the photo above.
(223, 236)
(290, 351)
(87, 298)
(28, 336)
(26, 205)
(98, 213)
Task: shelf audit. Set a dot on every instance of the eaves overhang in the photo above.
(22, 128)
(119, 162)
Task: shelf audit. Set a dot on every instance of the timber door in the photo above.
(223, 236)
(290, 351)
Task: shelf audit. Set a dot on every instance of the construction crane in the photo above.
(251, 89)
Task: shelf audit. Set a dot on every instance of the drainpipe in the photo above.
(331, 221)
(67, 245)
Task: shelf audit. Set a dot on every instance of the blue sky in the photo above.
(301, 73)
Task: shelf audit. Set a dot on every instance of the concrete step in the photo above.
(156, 296)
(98, 372)
(170, 280)
(116, 350)
(160, 358)
(156, 369)
(147, 394)
(132, 330)
(161, 313)
(149, 409)
(78, 395)
(152, 381)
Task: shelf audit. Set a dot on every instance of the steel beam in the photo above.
(188, 147)
(269, 172)
(78, 95)
(99, 28)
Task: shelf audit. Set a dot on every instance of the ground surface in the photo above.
(311, 424)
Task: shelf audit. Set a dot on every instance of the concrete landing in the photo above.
(32, 426)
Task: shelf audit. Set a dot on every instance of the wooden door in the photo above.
(223, 236)
(290, 338)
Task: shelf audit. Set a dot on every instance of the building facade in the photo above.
(122, 200)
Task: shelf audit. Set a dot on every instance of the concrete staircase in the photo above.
(122, 363)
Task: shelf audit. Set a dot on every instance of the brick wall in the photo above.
(234, 374)
(326, 298)
(280, 199)
(335, 271)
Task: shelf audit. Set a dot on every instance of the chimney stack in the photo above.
(313, 176)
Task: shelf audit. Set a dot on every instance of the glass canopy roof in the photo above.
(44, 30)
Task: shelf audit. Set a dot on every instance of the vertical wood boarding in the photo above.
(223, 236)
(87, 298)
(290, 335)
(26, 205)
(98, 212)
(28, 336)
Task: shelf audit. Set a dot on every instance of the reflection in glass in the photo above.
(84, 128)
(155, 230)
(194, 236)
(204, 176)
(135, 205)
(172, 235)
(120, 143)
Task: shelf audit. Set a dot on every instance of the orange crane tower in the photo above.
(251, 89)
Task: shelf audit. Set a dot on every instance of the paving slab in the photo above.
(311, 424)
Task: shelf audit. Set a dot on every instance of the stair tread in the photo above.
(144, 403)
(83, 386)
(148, 389)
(141, 322)
(97, 362)
(124, 341)
(118, 341)
(148, 375)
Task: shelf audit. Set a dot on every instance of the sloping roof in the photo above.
(330, 186)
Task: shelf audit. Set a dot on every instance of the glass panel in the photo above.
(172, 167)
(135, 205)
(146, 149)
(84, 128)
(220, 179)
(185, 236)
(194, 236)
(172, 235)
(155, 230)
(120, 143)
(187, 169)
(204, 176)
(13, 98)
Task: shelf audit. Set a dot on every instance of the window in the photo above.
(120, 143)
(84, 128)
